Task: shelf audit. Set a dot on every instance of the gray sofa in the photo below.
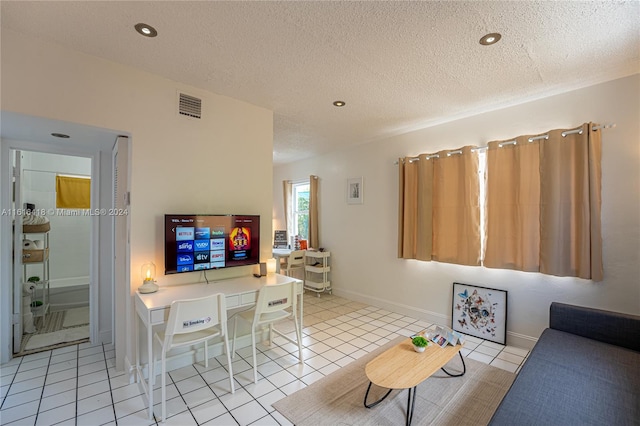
(584, 370)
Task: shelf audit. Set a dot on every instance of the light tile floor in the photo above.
(78, 385)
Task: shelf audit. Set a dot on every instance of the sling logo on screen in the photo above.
(185, 246)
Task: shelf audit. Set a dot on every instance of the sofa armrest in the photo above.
(605, 326)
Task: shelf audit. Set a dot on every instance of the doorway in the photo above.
(109, 252)
(54, 273)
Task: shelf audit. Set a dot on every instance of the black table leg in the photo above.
(464, 368)
(411, 403)
(373, 404)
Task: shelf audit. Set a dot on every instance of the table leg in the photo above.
(301, 310)
(464, 368)
(411, 403)
(373, 404)
(151, 379)
(137, 376)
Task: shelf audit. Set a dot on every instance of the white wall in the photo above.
(70, 236)
(363, 238)
(179, 165)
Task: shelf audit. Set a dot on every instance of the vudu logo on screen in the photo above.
(184, 246)
(202, 233)
(184, 268)
(201, 245)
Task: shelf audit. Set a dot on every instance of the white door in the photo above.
(121, 272)
(17, 250)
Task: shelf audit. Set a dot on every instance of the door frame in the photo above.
(7, 283)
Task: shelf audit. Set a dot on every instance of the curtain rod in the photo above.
(73, 176)
(58, 174)
(514, 142)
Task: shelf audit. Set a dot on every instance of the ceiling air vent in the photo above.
(190, 106)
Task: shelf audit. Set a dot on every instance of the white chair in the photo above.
(273, 302)
(295, 262)
(193, 321)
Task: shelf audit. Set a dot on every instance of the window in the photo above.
(534, 207)
(300, 207)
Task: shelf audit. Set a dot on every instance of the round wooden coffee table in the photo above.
(401, 367)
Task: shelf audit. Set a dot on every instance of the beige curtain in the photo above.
(570, 201)
(512, 205)
(543, 205)
(287, 194)
(456, 208)
(314, 236)
(439, 212)
(415, 207)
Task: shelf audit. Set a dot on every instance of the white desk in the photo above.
(279, 254)
(153, 309)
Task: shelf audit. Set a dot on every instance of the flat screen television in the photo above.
(195, 242)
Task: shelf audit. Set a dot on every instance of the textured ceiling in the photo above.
(398, 65)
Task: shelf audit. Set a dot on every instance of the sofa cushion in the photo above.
(573, 380)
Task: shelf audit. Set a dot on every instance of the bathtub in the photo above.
(67, 293)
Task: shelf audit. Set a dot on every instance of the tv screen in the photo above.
(209, 241)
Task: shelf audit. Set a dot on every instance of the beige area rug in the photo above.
(440, 400)
(57, 337)
(76, 316)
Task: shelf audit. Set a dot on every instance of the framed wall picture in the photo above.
(355, 191)
(480, 312)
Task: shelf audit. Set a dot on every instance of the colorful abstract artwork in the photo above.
(480, 312)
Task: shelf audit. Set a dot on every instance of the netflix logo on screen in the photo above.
(185, 233)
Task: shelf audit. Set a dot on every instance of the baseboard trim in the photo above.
(513, 339)
(521, 340)
(130, 369)
(422, 314)
(195, 354)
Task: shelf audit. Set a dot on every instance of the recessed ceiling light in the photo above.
(60, 135)
(339, 103)
(490, 39)
(146, 30)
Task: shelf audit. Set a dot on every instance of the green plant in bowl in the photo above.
(419, 343)
(34, 279)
